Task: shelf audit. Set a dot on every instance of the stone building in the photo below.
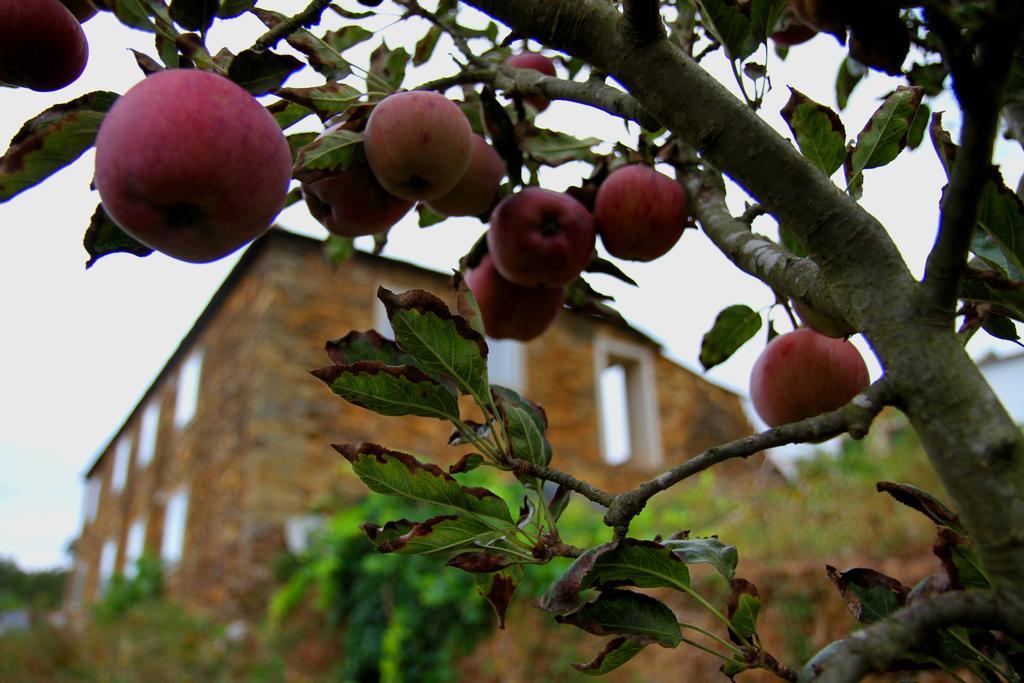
(216, 469)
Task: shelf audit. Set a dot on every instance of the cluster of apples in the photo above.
(42, 45)
(808, 371)
(417, 147)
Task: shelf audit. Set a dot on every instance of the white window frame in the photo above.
(149, 428)
(93, 488)
(172, 544)
(122, 461)
(187, 399)
(642, 397)
(510, 370)
(108, 564)
(134, 547)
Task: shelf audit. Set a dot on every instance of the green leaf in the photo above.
(616, 652)
(968, 565)
(287, 114)
(340, 249)
(105, 237)
(326, 100)
(262, 72)
(428, 217)
(400, 474)
(644, 564)
(870, 595)
(425, 46)
(791, 243)
(51, 140)
(1000, 327)
(525, 424)
(443, 535)
(233, 8)
(498, 587)
(335, 150)
(764, 16)
(884, 136)
(818, 130)
(347, 37)
(924, 502)
(444, 345)
(390, 390)
(919, 125)
(721, 556)
(850, 74)
(298, 141)
(387, 66)
(619, 612)
(743, 608)
(553, 148)
(320, 55)
(194, 15)
(132, 13)
(357, 346)
(730, 26)
(931, 77)
(733, 327)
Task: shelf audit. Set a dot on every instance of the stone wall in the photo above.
(258, 451)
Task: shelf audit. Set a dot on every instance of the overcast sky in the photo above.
(79, 348)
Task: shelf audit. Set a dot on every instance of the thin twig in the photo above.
(413, 8)
(304, 19)
(855, 418)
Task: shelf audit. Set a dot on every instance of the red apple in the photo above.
(82, 9)
(418, 144)
(830, 327)
(640, 213)
(511, 311)
(478, 186)
(351, 203)
(537, 62)
(190, 164)
(42, 45)
(540, 238)
(802, 373)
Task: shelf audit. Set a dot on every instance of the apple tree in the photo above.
(445, 145)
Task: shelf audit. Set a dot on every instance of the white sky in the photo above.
(80, 347)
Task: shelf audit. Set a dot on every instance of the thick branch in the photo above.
(876, 647)
(304, 19)
(855, 417)
(758, 256)
(979, 84)
(641, 22)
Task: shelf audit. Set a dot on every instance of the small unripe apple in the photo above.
(418, 144)
(82, 9)
(478, 186)
(540, 238)
(802, 373)
(42, 45)
(822, 324)
(511, 311)
(640, 213)
(190, 164)
(537, 62)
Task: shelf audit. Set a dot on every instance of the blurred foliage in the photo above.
(32, 590)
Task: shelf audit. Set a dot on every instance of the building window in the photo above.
(381, 323)
(175, 517)
(300, 530)
(108, 556)
(627, 402)
(92, 498)
(134, 546)
(122, 457)
(506, 363)
(188, 389)
(147, 434)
